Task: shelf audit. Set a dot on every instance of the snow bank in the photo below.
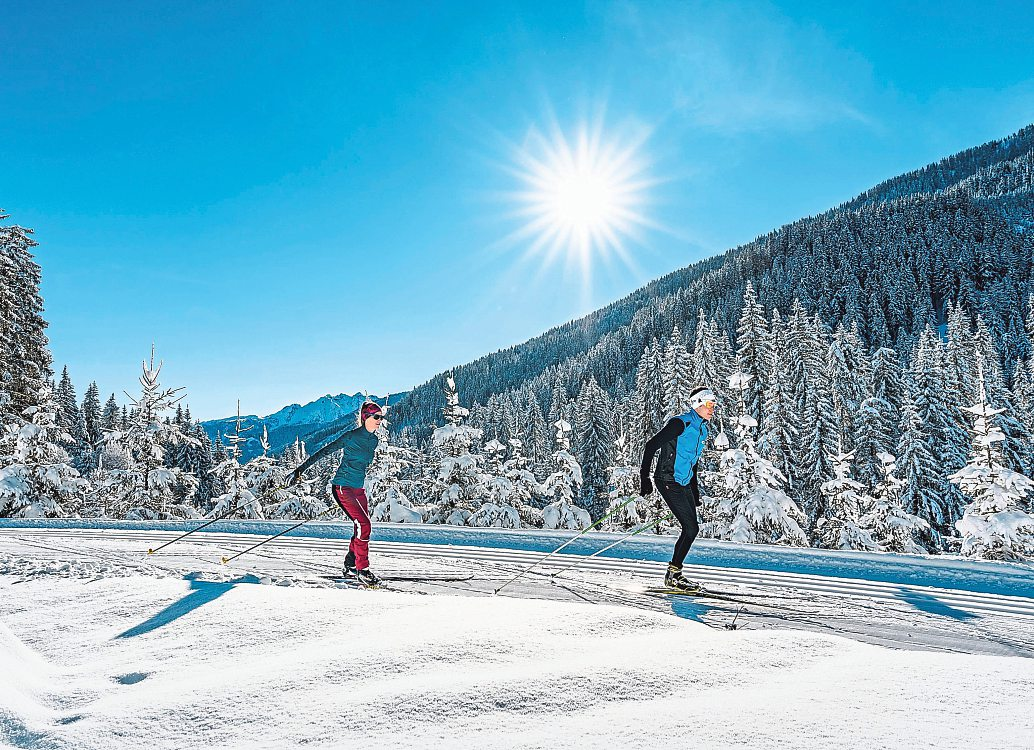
(173, 664)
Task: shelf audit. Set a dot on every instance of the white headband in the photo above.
(701, 398)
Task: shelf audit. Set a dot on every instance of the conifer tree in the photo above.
(890, 525)
(594, 439)
(779, 432)
(563, 485)
(624, 487)
(677, 374)
(91, 410)
(146, 488)
(25, 363)
(995, 525)
(240, 496)
(110, 415)
(754, 353)
(385, 486)
(457, 484)
(499, 508)
(36, 479)
(754, 506)
(846, 502)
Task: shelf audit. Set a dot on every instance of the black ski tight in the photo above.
(683, 503)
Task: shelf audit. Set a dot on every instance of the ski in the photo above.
(414, 579)
(717, 595)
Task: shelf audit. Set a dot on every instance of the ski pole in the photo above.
(264, 541)
(576, 536)
(640, 530)
(209, 523)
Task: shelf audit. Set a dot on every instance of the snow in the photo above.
(125, 653)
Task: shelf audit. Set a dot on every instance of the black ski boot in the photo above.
(368, 579)
(674, 579)
(349, 566)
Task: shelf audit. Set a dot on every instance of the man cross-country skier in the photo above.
(681, 441)
(347, 487)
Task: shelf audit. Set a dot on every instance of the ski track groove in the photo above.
(515, 560)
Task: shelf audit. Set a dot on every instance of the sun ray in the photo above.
(582, 196)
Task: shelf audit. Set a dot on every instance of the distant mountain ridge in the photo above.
(309, 422)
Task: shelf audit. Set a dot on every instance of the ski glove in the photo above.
(645, 486)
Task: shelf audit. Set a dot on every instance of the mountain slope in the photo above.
(950, 231)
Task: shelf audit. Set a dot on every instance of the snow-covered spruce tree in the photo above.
(592, 430)
(847, 370)
(846, 502)
(939, 421)
(712, 360)
(109, 417)
(146, 488)
(269, 480)
(754, 352)
(457, 487)
(539, 440)
(876, 422)
(240, 497)
(497, 509)
(36, 479)
(890, 525)
(563, 485)
(91, 410)
(385, 486)
(25, 363)
(624, 490)
(995, 525)
(921, 474)
(1016, 448)
(71, 420)
(526, 491)
(755, 508)
(677, 375)
(779, 431)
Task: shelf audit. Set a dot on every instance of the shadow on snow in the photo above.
(202, 592)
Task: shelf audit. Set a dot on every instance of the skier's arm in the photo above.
(671, 431)
(326, 449)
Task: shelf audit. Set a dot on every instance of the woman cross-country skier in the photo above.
(347, 487)
(681, 441)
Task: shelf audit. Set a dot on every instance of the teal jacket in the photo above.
(359, 445)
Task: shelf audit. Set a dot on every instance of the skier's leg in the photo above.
(342, 501)
(353, 500)
(682, 505)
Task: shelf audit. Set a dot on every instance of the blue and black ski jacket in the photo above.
(681, 442)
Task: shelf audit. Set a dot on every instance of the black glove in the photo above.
(645, 486)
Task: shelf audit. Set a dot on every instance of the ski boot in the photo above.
(674, 579)
(349, 566)
(368, 579)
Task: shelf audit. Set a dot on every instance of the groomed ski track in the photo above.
(976, 608)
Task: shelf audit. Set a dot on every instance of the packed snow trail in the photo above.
(906, 615)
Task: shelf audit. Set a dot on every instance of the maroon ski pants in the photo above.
(353, 501)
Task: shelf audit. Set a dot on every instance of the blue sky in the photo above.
(294, 199)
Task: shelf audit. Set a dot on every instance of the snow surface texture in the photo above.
(166, 663)
(103, 646)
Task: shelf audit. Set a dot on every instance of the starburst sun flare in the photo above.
(582, 197)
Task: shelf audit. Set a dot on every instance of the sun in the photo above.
(582, 195)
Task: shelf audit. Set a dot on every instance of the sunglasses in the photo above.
(378, 417)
